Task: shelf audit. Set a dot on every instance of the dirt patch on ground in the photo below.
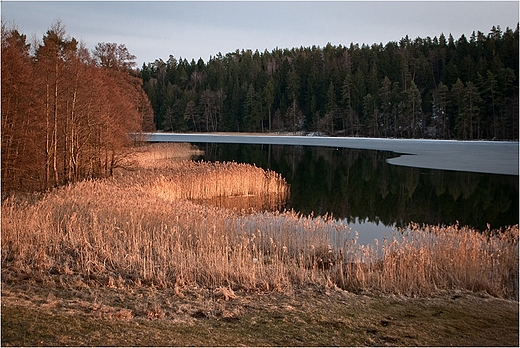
(38, 314)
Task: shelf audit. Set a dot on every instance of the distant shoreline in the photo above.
(480, 156)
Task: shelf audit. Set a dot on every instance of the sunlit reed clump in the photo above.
(142, 228)
(164, 170)
(156, 155)
(205, 180)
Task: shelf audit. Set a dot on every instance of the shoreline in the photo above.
(480, 156)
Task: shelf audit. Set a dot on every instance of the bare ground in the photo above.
(50, 314)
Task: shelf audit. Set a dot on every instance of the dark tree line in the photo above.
(66, 112)
(433, 88)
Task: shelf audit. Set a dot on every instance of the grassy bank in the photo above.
(100, 243)
(36, 314)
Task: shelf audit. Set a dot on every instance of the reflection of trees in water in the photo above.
(360, 184)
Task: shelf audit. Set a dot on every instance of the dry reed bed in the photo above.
(100, 233)
(139, 229)
(149, 155)
(165, 170)
(208, 180)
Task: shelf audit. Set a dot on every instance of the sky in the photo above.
(194, 29)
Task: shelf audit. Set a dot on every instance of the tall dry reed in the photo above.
(208, 180)
(150, 155)
(139, 229)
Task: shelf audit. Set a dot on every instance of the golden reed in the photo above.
(141, 228)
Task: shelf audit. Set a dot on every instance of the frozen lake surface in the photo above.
(493, 157)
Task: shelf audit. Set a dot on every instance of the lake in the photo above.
(377, 190)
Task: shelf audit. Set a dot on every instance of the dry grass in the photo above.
(166, 170)
(149, 155)
(35, 314)
(142, 229)
(206, 180)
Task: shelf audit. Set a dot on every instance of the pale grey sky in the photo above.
(193, 30)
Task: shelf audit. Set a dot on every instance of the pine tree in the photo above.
(472, 114)
(269, 99)
(441, 117)
(457, 100)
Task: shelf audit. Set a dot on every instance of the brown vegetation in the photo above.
(66, 114)
(146, 155)
(36, 314)
(141, 228)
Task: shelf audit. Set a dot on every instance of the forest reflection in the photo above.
(359, 186)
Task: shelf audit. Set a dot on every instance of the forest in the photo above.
(441, 88)
(66, 112)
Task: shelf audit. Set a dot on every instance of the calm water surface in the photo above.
(373, 196)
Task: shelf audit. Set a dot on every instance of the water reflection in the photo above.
(360, 187)
(250, 203)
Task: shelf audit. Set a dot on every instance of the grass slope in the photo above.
(48, 315)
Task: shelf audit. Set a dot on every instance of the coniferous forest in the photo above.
(67, 112)
(442, 88)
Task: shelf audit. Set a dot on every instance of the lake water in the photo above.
(376, 185)
(373, 196)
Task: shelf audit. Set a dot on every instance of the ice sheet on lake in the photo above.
(494, 157)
